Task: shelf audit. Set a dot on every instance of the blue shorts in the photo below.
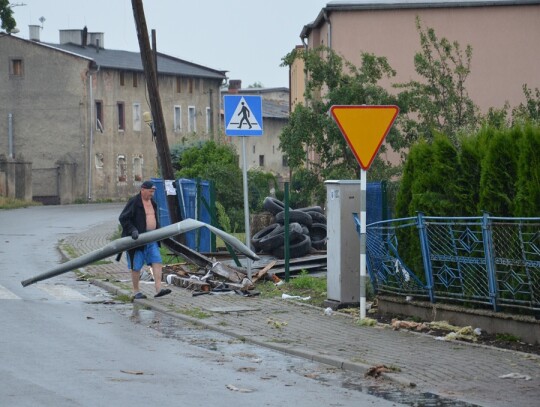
(148, 254)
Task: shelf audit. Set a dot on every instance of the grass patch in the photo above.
(69, 250)
(195, 313)
(507, 337)
(122, 298)
(303, 285)
(12, 203)
(367, 322)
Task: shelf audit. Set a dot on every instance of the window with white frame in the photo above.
(137, 167)
(121, 168)
(136, 117)
(192, 119)
(177, 119)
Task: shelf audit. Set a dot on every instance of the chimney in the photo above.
(235, 85)
(84, 36)
(34, 32)
(97, 39)
(71, 37)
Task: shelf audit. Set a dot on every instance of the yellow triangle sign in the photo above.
(364, 128)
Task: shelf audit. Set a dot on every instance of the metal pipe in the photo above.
(10, 135)
(90, 144)
(127, 243)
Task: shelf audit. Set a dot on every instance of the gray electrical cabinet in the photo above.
(343, 244)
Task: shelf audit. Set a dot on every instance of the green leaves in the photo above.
(6, 16)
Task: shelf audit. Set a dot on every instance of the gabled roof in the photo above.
(275, 109)
(126, 60)
(355, 5)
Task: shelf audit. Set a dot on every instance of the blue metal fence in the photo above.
(491, 261)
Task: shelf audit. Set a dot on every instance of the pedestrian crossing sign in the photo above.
(243, 115)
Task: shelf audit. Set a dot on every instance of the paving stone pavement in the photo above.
(452, 370)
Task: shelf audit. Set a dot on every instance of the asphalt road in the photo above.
(65, 343)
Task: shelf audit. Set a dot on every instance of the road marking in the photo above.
(6, 294)
(62, 292)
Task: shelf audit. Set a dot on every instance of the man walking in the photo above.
(139, 216)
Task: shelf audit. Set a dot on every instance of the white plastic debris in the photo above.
(328, 311)
(294, 297)
(477, 331)
(515, 376)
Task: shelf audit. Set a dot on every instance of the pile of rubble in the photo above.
(217, 278)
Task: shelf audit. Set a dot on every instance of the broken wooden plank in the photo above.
(262, 272)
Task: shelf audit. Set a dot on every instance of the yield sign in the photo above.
(364, 128)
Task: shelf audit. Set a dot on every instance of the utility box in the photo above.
(343, 245)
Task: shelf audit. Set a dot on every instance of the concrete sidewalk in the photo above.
(454, 370)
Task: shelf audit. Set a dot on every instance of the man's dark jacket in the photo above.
(133, 217)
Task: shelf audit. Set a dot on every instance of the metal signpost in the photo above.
(243, 117)
(364, 128)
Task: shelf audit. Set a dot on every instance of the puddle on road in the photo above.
(174, 328)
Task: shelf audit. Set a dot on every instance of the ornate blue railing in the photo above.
(492, 261)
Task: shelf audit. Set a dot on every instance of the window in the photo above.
(177, 125)
(98, 160)
(121, 116)
(192, 119)
(122, 79)
(136, 117)
(208, 120)
(99, 116)
(190, 85)
(261, 161)
(121, 168)
(178, 84)
(16, 67)
(137, 167)
(135, 82)
(253, 148)
(285, 161)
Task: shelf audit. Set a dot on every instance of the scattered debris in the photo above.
(417, 326)
(135, 372)
(276, 324)
(367, 322)
(238, 389)
(515, 376)
(294, 297)
(376, 371)
(328, 311)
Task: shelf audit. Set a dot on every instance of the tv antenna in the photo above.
(41, 20)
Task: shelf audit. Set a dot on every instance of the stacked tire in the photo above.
(307, 231)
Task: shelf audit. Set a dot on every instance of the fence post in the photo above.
(424, 246)
(490, 260)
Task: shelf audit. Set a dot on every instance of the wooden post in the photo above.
(160, 132)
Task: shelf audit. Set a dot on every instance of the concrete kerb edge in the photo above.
(308, 355)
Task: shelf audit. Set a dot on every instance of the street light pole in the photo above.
(159, 131)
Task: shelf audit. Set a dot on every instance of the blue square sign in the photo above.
(243, 115)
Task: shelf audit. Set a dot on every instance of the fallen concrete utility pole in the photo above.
(127, 243)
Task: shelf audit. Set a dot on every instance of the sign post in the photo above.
(243, 117)
(364, 128)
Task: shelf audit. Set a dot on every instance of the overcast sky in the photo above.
(247, 38)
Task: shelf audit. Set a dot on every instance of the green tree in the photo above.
(527, 201)
(440, 100)
(217, 163)
(259, 185)
(333, 81)
(530, 111)
(6, 16)
(498, 174)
